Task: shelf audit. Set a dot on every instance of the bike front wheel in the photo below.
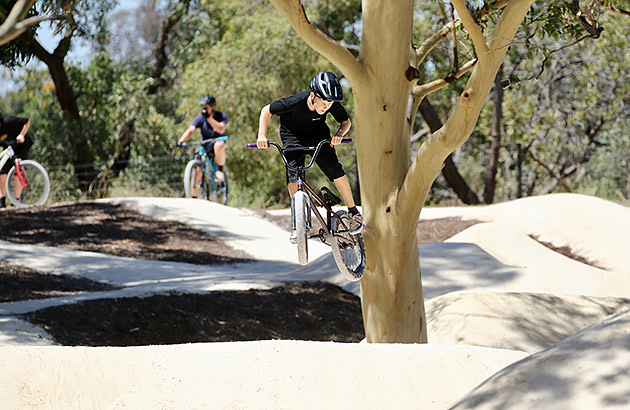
(28, 184)
(194, 168)
(220, 192)
(300, 203)
(347, 249)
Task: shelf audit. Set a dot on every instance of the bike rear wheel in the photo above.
(193, 169)
(37, 183)
(300, 217)
(348, 250)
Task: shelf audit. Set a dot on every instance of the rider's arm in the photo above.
(263, 123)
(344, 127)
(187, 134)
(22, 135)
(217, 126)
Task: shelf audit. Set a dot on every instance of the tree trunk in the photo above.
(392, 298)
(497, 119)
(82, 157)
(449, 172)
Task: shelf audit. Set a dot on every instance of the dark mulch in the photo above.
(115, 230)
(306, 311)
(19, 283)
(301, 310)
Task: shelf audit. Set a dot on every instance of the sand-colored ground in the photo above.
(512, 324)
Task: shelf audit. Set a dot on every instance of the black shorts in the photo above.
(21, 151)
(326, 160)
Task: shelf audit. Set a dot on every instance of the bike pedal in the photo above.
(328, 197)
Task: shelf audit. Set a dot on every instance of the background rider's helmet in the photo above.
(326, 86)
(208, 99)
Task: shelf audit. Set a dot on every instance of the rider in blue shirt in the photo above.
(211, 124)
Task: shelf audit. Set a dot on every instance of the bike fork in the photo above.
(308, 212)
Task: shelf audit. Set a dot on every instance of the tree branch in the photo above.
(473, 29)
(462, 120)
(420, 91)
(339, 55)
(10, 27)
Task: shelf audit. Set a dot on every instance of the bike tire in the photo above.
(190, 175)
(300, 214)
(38, 188)
(348, 251)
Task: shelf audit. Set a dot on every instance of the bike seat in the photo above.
(328, 197)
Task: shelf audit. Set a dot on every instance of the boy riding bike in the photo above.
(303, 123)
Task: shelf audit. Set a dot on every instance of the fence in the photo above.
(159, 176)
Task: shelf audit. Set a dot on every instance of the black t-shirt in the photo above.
(298, 121)
(10, 128)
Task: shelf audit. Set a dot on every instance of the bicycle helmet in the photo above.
(326, 86)
(208, 99)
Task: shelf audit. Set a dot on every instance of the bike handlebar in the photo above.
(255, 145)
(282, 150)
(222, 138)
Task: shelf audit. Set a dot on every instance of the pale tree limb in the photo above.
(462, 120)
(430, 43)
(339, 55)
(17, 23)
(473, 29)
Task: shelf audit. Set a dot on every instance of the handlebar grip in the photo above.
(346, 141)
(252, 145)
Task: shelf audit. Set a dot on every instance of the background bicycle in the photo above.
(348, 249)
(27, 181)
(200, 176)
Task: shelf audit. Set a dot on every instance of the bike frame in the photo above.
(5, 156)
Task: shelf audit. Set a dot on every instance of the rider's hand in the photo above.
(262, 142)
(20, 138)
(336, 140)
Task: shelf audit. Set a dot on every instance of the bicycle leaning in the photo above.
(348, 249)
(201, 174)
(27, 183)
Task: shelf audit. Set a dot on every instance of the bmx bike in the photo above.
(27, 182)
(201, 171)
(348, 249)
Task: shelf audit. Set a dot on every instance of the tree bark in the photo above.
(81, 155)
(497, 119)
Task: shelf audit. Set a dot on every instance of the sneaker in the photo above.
(355, 224)
(219, 176)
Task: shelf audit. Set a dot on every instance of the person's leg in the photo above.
(343, 186)
(3, 184)
(330, 165)
(220, 153)
(17, 187)
(3, 190)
